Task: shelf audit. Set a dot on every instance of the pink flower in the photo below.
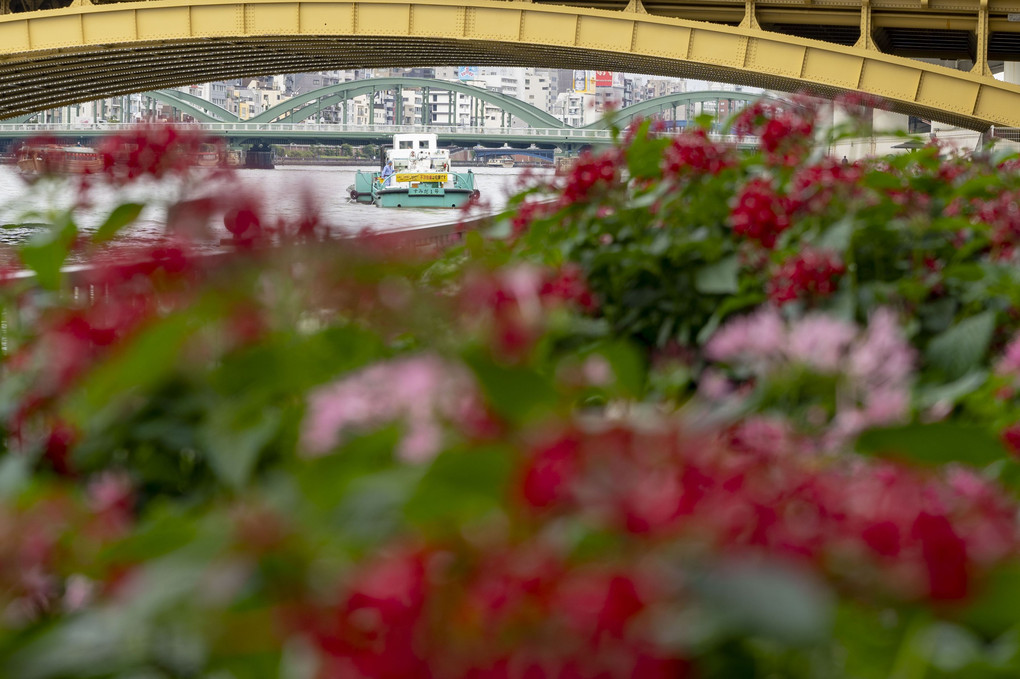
(419, 392)
(758, 336)
(873, 367)
(821, 341)
(713, 385)
(884, 356)
(1009, 364)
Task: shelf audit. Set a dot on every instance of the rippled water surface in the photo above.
(283, 193)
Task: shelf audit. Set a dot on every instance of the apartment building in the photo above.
(537, 89)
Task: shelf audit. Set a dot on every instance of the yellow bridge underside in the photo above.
(80, 53)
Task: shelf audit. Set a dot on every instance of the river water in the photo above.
(283, 193)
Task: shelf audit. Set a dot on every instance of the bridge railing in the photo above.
(339, 129)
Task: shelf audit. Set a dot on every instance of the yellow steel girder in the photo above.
(79, 53)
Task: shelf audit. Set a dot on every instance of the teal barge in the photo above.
(420, 177)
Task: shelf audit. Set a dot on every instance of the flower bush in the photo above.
(690, 410)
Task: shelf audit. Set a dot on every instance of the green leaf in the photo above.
(15, 475)
(882, 180)
(141, 364)
(950, 648)
(461, 485)
(627, 363)
(372, 507)
(967, 272)
(837, 237)
(960, 348)
(517, 394)
(234, 436)
(45, 252)
(474, 243)
(324, 481)
(933, 444)
(770, 600)
(994, 609)
(720, 278)
(952, 392)
(121, 216)
(644, 155)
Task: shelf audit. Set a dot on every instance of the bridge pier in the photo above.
(259, 157)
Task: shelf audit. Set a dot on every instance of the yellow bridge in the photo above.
(52, 56)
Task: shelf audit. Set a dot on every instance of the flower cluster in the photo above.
(591, 173)
(1002, 213)
(139, 285)
(591, 451)
(526, 213)
(784, 133)
(912, 535)
(154, 151)
(874, 368)
(509, 602)
(692, 154)
(813, 188)
(513, 304)
(419, 392)
(810, 273)
(41, 540)
(761, 213)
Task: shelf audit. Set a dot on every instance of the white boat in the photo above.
(504, 161)
(422, 177)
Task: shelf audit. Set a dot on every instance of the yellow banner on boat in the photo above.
(440, 177)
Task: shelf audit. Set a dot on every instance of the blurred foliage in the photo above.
(686, 411)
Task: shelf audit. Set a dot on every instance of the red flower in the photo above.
(550, 471)
(784, 133)
(243, 223)
(513, 304)
(694, 153)
(374, 632)
(59, 443)
(1011, 438)
(567, 285)
(598, 604)
(590, 172)
(814, 188)
(527, 212)
(760, 214)
(814, 273)
(945, 557)
(883, 537)
(150, 150)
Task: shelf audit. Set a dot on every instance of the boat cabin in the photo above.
(417, 152)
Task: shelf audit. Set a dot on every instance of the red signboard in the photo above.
(603, 78)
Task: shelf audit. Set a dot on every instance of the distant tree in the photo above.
(346, 150)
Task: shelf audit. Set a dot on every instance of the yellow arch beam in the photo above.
(79, 53)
